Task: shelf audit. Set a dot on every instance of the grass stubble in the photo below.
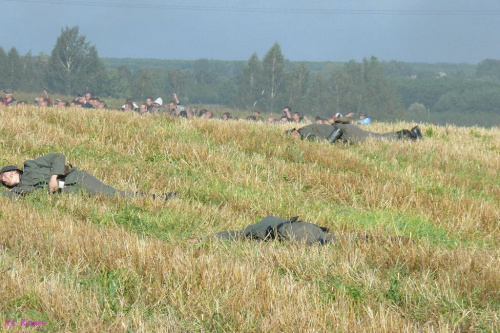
(98, 264)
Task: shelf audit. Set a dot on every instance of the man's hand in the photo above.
(53, 184)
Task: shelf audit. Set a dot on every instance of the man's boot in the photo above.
(406, 134)
(418, 134)
(336, 134)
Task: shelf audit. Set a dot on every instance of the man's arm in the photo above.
(176, 99)
(56, 162)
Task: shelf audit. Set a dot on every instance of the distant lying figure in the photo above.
(349, 133)
(51, 173)
(272, 227)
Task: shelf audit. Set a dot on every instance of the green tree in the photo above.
(119, 82)
(32, 73)
(273, 76)
(14, 68)
(489, 68)
(74, 64)
(319, 99)
(378, 96)
(297, 81)
(141, 84)
(176, 82)
(3, 68)
(250, 83)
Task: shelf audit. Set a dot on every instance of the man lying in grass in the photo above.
(273, 227)
(51, 173)
(349, 133)
(293, 230)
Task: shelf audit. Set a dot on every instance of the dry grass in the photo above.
(98, 264)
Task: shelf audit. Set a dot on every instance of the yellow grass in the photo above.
(98, 264)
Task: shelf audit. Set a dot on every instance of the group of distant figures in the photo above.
(173, 108)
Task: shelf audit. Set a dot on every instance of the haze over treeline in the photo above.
(461, 94)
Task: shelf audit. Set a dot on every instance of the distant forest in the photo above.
(459, 94)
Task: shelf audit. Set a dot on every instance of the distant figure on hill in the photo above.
(255, 116)
(288, 113)
(319, 120)
(364, 120)
(174, 106)
(51, 173)
(157, 106)
(226, 116)
(9, 97)
(349, 133)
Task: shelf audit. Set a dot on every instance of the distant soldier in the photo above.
(276, 228)
(9, 97)
(349, 133)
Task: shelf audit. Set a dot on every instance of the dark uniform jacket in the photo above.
(350, 133)
(36, 174)
(273, 227)
(316, 131)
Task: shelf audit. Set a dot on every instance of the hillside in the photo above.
(97, 264)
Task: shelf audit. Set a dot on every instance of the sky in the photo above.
(429, 31)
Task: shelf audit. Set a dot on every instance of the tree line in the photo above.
(384, 90)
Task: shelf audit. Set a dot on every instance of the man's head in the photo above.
(287, 110)
(88, 96)
(10, 176)
(171, 106)
(60, 103)
(128, 107)
(149, 101)
(296, 117)
(41, 102)
(8, 93)
(144, 108)
(293, 132)
(158, 102)
(94, 101)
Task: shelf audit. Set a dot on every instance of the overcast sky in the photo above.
(432, 31)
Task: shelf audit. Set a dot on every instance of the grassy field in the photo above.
(94, 264)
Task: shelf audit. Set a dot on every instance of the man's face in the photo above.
(88, 96)
(11, 178)
(296, 116)
(286, 111)
(8, 95)
(144, 108)
(171, 106)
(295, 134)
(149, 102)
